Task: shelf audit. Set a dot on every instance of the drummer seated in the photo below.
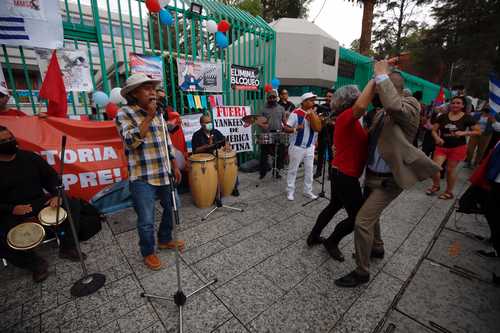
(24, 178)
(206, 140)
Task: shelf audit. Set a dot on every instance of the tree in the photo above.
(254, 7)
(465, 38)
(275, 9)
(394, 23)
(366, 26)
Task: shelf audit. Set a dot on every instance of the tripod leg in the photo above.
(233, 208)
(206, 216)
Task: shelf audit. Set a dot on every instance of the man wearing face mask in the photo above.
(275, 118)
(206, 140)
(25, 177)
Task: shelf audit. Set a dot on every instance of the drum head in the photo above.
(25, 236)
(201, 157)
(226, 154)
(47, 216)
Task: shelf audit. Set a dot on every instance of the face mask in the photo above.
(8, 148)
(209, 126)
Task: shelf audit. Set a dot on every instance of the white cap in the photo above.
(135, 80)
(307, 96)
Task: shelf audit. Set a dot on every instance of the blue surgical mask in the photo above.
(209, 126)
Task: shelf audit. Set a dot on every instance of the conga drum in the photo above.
(25, 236)
(203, 179)
(227, 168)
(48, 216)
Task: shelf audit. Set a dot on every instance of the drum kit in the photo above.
(29, 235)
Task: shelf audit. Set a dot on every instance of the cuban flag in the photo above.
(494, 93)
(12, 29)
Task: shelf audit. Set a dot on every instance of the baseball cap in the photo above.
(307, 95)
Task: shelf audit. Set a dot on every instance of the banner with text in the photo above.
(227, 119)
(190, 124)
(244, 78)
(94, 156)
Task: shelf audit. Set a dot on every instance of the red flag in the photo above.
(440, 97)
(53, 89)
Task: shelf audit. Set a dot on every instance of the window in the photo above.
(329, 56)
(347, 69)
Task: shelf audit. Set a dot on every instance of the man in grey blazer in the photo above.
(393, 164)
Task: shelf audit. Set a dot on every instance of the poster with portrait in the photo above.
(151, 65)
(199, 76)
(74, 65)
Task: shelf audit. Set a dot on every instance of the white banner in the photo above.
(227, 119)
(190, 124)
(199, 75)
(74, 66)
(34, 23)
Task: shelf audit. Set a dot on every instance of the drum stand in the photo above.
(322, 193)
(179, 297)
(218, 198)
(89, 283)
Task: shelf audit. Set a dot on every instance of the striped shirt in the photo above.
(305, 137)
(147, 157)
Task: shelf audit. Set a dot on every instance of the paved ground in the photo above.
(268, 279)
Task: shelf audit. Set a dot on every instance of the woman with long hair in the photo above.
(449, 133)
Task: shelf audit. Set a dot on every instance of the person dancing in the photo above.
(351, 151)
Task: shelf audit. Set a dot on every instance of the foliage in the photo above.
(254, 7)
(275, 9)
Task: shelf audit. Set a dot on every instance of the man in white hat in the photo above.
(301, 147)
(4, 99)
(140, 126)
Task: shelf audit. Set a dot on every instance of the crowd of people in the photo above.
(399, 142)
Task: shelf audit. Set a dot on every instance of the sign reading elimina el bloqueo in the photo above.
(244, 78)
(227, 119)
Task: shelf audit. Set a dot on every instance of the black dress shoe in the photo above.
(352, 280)
(277, 175)
(262, 176)
(334, 252)
(40, 275)
(317, 175)
(235, 192)
(71, 254)
(314, 240)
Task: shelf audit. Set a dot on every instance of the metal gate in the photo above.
(111, 29)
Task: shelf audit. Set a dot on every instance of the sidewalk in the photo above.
(268, 279)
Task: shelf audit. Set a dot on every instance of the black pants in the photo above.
(324, 147)
(346, 193)
(428, 144)
(492, 212)
(29, 259)
(265, 151)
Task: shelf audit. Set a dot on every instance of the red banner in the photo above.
(94, 156)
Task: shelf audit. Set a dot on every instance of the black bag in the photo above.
(472, 201)
(90, 221)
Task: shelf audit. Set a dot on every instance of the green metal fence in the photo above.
(111, 29)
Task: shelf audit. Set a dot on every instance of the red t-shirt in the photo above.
(12, 112)
(351, 145)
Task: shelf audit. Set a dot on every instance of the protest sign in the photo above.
(244, 78)
(227, 119)
(149, 65)
(190, 124)
(74, 66)
(199, 75)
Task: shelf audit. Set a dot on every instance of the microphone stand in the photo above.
(179, 297)
(89, 283)
(321, 194)
(218, 198)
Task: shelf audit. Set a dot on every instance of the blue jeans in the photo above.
(143, 197)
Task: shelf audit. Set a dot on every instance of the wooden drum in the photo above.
(203, 179)
(228, 171)
(25, 236)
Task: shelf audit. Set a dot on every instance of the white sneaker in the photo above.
(311, 195)
(290, 197)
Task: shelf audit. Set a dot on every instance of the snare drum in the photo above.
(227, 168)
(203, 179)
(25, 236)
(47, 216)
(265, 139)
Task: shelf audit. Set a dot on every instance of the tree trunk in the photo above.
(365, 41)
